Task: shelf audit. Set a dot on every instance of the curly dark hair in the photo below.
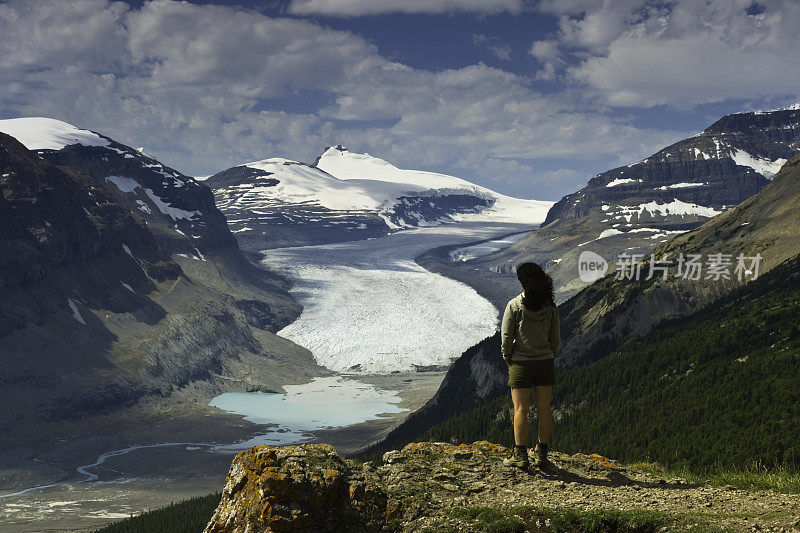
(538, 286)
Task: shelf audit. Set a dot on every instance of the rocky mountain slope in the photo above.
(121, 283)
(612, 310)
(633, 208)
(346, 196)
(178, 210)
(442, 487)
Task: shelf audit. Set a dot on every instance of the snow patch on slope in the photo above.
(675, 208)
(762, 165)
(76, 314)
(130, 185)
(173, 212)
(124, 184)
(621, 181)
(41, 133)
(680, 186)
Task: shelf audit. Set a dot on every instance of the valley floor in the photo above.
(151, 477)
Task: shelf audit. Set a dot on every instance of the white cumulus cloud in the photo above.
(205, 87)
(687, 52)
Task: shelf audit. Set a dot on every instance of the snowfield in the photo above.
(40, 133)
(368, 307)
(762, 165)
(346, 165)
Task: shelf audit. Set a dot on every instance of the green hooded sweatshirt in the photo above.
(529, 335)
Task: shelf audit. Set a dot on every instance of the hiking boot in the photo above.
(541, 454)
(519, 458)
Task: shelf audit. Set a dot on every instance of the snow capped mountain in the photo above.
(120, 282)
(346, 165)
(722, 166)
(178, 210)
(347, 195)
(634, 207)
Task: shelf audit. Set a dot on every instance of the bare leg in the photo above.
(522, 401)
(542, 399)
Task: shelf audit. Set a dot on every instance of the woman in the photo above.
(531, 338)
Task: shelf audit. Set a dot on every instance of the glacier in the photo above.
(368, 307)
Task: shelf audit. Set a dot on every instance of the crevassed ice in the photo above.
(484, 248)
(367, 304)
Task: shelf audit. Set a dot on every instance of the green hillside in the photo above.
(714, 391)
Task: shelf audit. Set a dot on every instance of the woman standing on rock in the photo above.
(531, 337)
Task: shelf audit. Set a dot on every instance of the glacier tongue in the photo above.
(368, 307)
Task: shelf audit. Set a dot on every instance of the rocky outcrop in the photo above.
(299, 488)
(430, 486)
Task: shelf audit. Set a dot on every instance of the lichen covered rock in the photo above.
(296, 488)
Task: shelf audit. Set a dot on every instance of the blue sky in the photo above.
(530, 98)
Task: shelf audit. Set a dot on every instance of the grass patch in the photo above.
(188, 516)
(778, 479)
(489, 519)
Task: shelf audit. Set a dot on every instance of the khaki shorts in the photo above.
(524, 375)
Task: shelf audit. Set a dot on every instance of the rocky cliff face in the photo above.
(107, 302)
(180, 211)
(442, 487)
(54, 218)
(634, 208)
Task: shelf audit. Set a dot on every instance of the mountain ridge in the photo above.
(635, 207)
